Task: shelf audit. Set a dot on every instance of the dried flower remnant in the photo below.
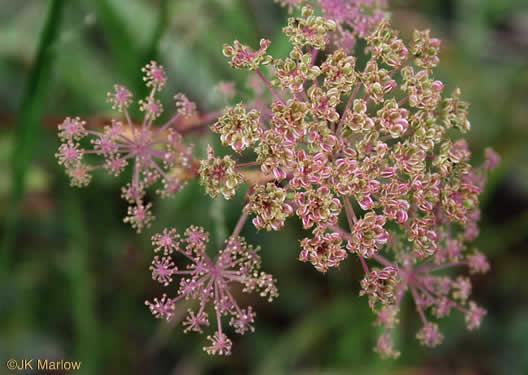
(380, 286)
(310, 30)
(209, 282)
(153, 151)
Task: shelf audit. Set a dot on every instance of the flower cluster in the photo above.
(268, 203)
(219, 175)
(370, 144)
(380, 286)
(238, 128)
(209, 282)
(310, 30)
(354, 18)
(335, 140)
(243, 58)
(153, 151)
(324, 251)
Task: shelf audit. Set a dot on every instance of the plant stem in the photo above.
(268, 85)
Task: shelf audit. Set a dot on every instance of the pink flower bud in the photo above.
(388, 173)
(401, 216)
(366, 203)
(438, 86)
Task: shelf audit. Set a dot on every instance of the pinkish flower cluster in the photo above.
(339, 140)
(370, 144)
(210, 282)
(153, 151)
(238, 128)
(219, 175)
(324, 251)
(353, 18)
(268, 203)
(244, 58)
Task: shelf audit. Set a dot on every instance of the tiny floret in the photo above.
(238, 128)
(429, 335)
(268, 203)
(242, 57)
(184, 106)
(219, 176)
(155, 76)
(120, 98)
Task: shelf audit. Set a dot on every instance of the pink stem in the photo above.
(169, 123)
(403, 101)
(351, 218)
(129, 121)
(245, 165)
(382, 260)
(268, 85)
(418, 307)
(351, 215)
(348, 105)
(233, 301)
(444, 266)
(240, 224)
(217, 310)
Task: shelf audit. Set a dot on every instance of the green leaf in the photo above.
(80, 280)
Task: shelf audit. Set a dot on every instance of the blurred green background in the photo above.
(74, 277)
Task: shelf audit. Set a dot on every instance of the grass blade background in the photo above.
(79, 277)
(28, 124)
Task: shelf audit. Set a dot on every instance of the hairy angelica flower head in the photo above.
(368, 143)
(372, 142)
(152, 151)
(210, 282)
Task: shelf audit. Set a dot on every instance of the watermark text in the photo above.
(42, 365)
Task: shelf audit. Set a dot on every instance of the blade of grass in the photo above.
(85, 329)
(28, 129)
